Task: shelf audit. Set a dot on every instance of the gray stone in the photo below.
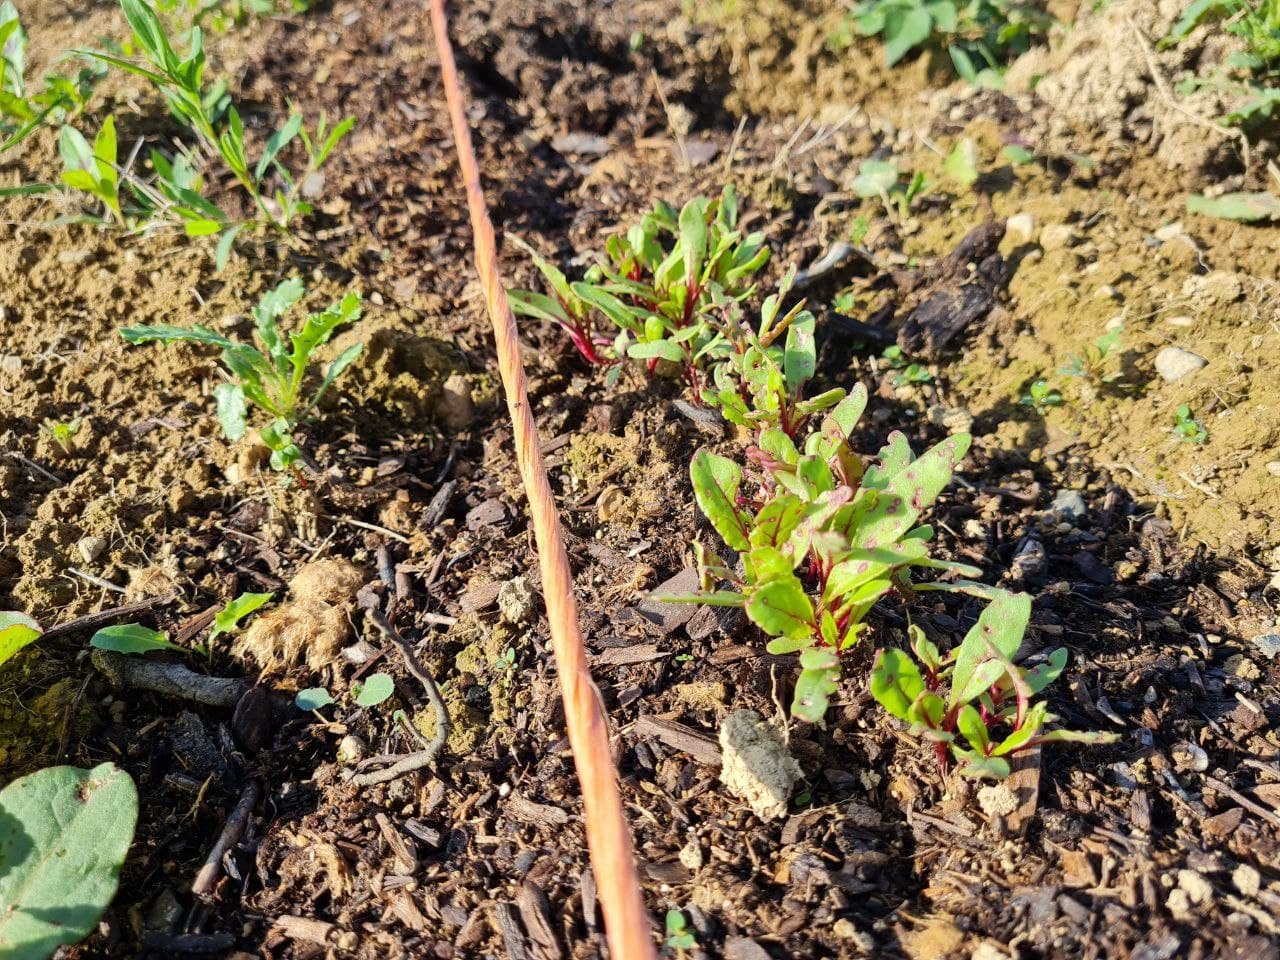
(1069, 504)
(1174, 363)
(1021, 227)
(1057, 236)
(1268, 644)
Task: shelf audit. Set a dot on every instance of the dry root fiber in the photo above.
(312, 625)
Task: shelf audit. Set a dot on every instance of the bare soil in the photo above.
(1162, 845)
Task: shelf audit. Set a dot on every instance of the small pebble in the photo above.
(1174, 363)
(351, 749)
(1069, 504)
(1247, 880)
(1268, 644)
(1021, 227)
(517, 601)
(1057, 236)
(91, 548)
(1273, 467)
(1187, 756)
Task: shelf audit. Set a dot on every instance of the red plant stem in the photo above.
(627, 925)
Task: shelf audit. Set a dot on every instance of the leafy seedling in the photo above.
(974, 704)
(274, 377)
(17, 630)
(1246, 207)
(228, 618)
(1186, 427)
(64, 834)
(911, 372)
(679, 936)
(823, 535)
(373, 690)
(961, 164)
(1040, 396)
(132, 638)
(62, 432)
(884, 180)
(1092, 361)
(651, 297)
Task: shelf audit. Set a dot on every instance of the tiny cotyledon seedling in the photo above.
(273, 378)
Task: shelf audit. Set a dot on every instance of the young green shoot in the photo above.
(1092, 361)
(1040, 396)
(1188, 428)
(62, 432)
(274, 376)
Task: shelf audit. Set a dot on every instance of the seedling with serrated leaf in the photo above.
(22, 112)
(822, 536)
(974, 704)
(273, 378)
(656, 287)
(758, 374)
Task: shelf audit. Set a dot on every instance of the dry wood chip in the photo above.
(520, 807)
(512, 934)
(304, 928)
(701, 747)
(535, 911)
(671, 616)
(404, 857)
(622, 656)
(741, 948)
(479, 597)
(406, 911)
(1024, 781)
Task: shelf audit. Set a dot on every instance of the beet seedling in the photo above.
(1188, 428)
(62, 432)
(1040, 397)
(655, 288)
(975, 704)
(757, 376)
(822, 537)
(272, 378)
(1091, 362)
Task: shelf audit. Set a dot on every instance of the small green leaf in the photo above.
(1246, 207)
(312, 698)
(16, 631)
(657, 350)
(376, 688)
(895, 682)
(277, 142)
(969, 722)
(1002, 623)
(904, 30)
(819, 679)
(231, 409)
(131, 638)
(961, 164)
(229, 617)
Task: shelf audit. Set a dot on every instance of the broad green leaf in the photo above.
(376, 688)
(875, 178)
(1243, 206)
(1044, 674)
(1019, 738)
(16, 631)
(75, 150)
(131, 638)
(716, 481)
(526, 303)
(845, 415)
(64, 834)
(231, 409)
(1002, 623)
(618, 312)
(201, 228)
(819, 679)
(895, 682)
(226, 243)
(777, 521)
(912, 490)
(693, 237)
(312, 698)
(926, 714)
(979, 767)
(104, 150)
(781, 608)
(229, 617)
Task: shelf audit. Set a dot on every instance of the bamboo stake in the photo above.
(627, 925)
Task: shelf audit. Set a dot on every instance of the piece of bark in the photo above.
(701, 747)
(535, 911)
(671, 616)
(1024, 781)
(520, 807)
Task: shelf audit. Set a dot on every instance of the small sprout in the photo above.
(229, 617)
(1091, 362)
(1187, 427)
(507, 661)
(679, 936)
(961, 164)
(375, 688)
(272, 377)
(62, 432)
(1017, 154)
(312, 699)
(1040, 396)
(636, 40)
(132, 638)
(858, 230)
